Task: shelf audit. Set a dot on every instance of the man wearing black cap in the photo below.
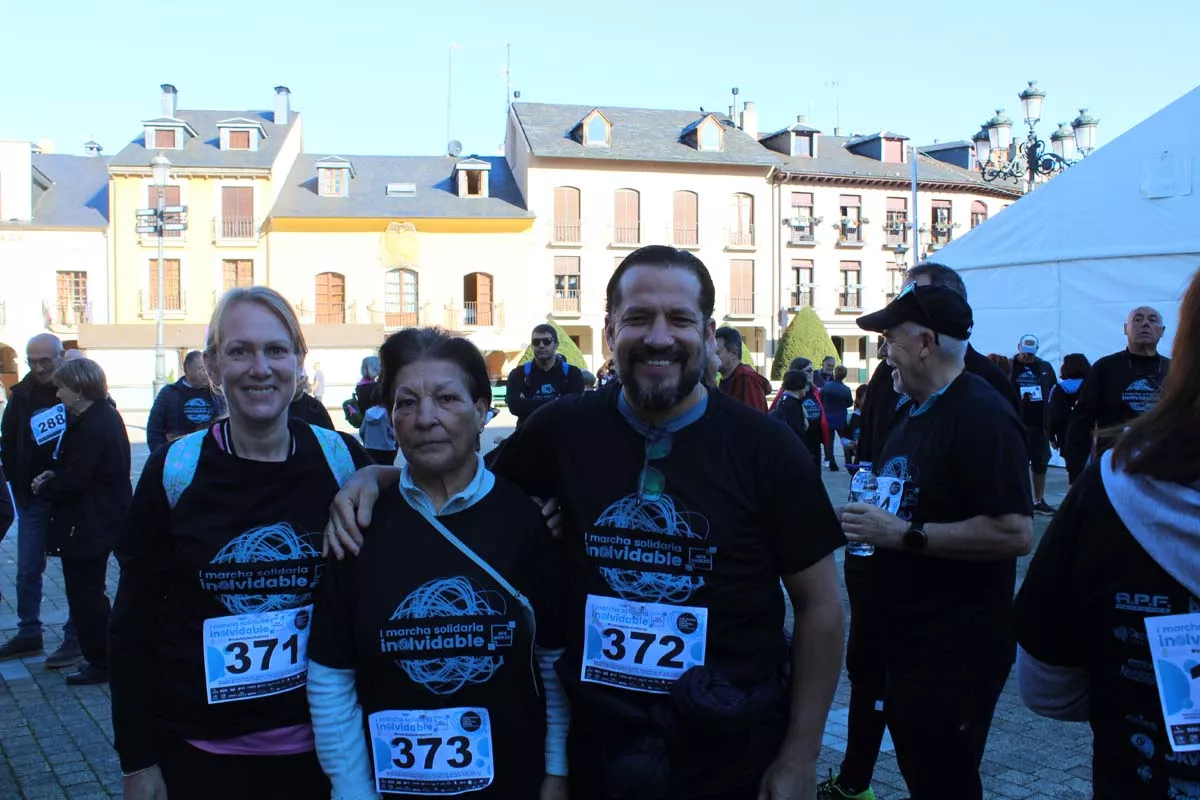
(955, 511)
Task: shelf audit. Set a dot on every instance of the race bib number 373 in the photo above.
(432, 752)
(255, 655)
(641, 646)
(1175, 648)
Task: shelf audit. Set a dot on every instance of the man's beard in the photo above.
(666, 395)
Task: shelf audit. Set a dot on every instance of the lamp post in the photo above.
(1033, 158)
(160, 167)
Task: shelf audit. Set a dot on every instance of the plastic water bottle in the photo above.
(863, 489)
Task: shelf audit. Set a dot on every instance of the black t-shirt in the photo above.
(790, 411)
(437, 632)
(1083, 603)
(1119, 387)
(1033, 383)
(962, 457)
(882, 402)
(529, 391)
(244, 538)
(742, 505)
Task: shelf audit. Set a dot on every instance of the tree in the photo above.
(565, 346)
(805, 336)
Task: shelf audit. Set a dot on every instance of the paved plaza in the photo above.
(56, 740)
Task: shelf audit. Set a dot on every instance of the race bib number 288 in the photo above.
(48, 424)
(641, 646)
(442, 751)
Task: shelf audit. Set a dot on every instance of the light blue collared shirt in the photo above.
(472, 493)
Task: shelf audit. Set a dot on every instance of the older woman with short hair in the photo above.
(432, 651)
(90, 492)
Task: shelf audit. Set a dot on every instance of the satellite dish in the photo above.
(454, 148)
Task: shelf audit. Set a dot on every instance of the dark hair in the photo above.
(794, 381)
(663, 257)
(939, 275)
(1075, 365)
(860, 394)
(829, 358)
(432, 344)
(1002, 363)
(840, 372)
(190, 357)
(1164, 443)
(799, 363)
(84, 376)
(545, 328)
(730, 339)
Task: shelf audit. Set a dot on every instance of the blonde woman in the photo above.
(219, 560)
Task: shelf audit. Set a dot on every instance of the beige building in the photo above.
(841, 222)
(605, 181)
(54, 273)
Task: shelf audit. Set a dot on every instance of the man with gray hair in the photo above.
(953, 512)
(34, 421)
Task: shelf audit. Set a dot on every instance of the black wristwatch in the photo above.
(915, 538)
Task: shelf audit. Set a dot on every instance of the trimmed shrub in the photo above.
(804, 336)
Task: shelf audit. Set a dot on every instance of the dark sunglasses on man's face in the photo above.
(542, 342)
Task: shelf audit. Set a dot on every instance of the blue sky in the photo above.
(371, 77)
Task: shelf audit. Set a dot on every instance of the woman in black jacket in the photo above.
(90, 492)
(789, 409)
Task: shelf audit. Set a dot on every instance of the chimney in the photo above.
(802, 119)
(169, 98)
(749, 120)
(92, 148)
(283, 105)
(839, 131)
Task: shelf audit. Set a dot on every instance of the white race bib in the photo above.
(48, 424)
(890, 494)
(1175, 649)
(1031, 393)
(436, 752)
(255, 655)
(641, 646)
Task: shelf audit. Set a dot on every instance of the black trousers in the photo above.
(866, 668)
(940, 727)
(194, 774)
(88, 604)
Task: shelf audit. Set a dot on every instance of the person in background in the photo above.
(7, 512)
(318, 383)
(739, 380)
(854, 425)
(1064, 399)
(365, 411)
(1003, 363)
(34, 421)
(1107, 614)
(589, 380)
(72, 354)
(1033, 380)
(790, 408)
(307, 408)
(452, 545)
(606, 375)
(544, 379)
(1123, 385)
(89, 491)
(828, 365)
(836, 400)
(184, 406)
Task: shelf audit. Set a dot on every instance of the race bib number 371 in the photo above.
(255, 655)
(641, 646)
(432, 752)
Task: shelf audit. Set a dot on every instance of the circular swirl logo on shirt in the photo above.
(269, 568)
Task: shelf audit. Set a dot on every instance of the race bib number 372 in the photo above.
(641, 646)
(442, 751)
(255, 655)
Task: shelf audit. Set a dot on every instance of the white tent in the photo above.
(1068, 261)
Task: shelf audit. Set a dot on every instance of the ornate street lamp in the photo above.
(158, 220)
(1033, 157)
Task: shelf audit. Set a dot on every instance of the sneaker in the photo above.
(67, 655)
(829, 790)
(1042, 507)
(21, 647)
(833, 467)
(88, 675)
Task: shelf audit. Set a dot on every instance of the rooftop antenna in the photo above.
(507, 78)
(450, 87)
(837, 101)
(733, 112)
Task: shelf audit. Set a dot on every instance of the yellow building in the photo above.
(226, 169)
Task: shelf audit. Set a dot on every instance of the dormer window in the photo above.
(240, 134)
(472, 177)
(164, 138)
(802, 145)
(333, 177)
(167, 133)
(709, 137)
(597, 130)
